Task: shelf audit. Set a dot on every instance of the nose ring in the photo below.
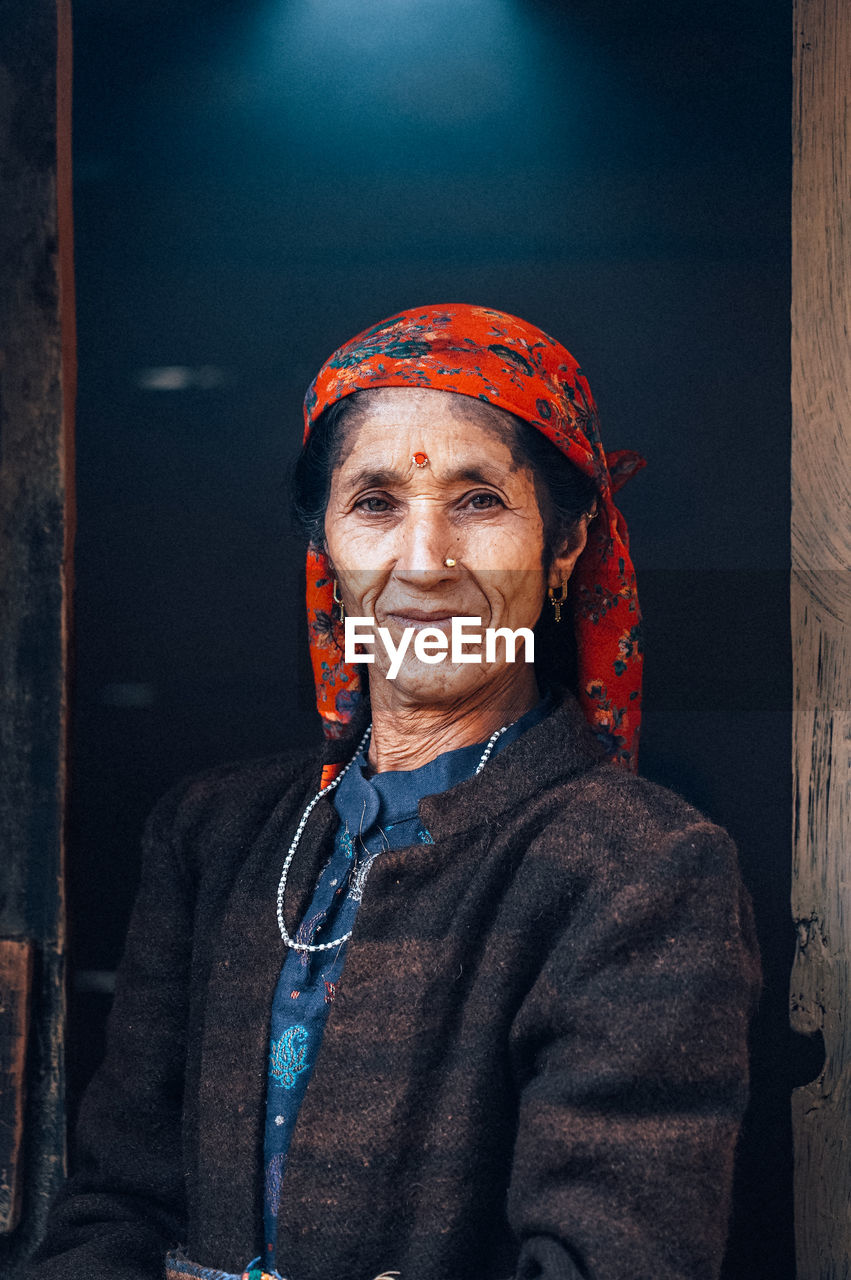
(450, 563)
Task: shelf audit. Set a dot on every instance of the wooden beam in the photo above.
(821, 627)
(16, 968)
(36, 531)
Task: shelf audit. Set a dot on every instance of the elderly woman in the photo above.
(465, 997)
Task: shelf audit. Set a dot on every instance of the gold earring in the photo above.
(338, 602)
(558, 600)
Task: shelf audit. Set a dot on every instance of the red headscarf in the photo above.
(491, 356)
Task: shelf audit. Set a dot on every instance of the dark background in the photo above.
(255, 181)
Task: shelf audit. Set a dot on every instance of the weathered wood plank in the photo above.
(16, 968)
(36, 406)
(821, 628)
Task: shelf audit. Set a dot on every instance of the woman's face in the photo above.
(390, 527)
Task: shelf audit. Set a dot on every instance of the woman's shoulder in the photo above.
(233, 796)
(629, 829)
(610, 790)
(561, 773)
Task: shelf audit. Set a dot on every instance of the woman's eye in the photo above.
(483, 501)
(373, 504)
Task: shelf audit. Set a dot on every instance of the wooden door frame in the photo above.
(821, 627)
(37, 388)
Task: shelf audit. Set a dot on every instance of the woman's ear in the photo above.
(563, 564)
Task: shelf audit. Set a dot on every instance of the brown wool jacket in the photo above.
(536, 1063)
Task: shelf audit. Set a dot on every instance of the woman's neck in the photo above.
(409, 735)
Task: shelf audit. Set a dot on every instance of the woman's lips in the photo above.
(420, 618)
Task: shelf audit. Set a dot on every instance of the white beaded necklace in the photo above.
(336, 942)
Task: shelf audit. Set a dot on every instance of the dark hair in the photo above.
(311, 478)
(564, 494)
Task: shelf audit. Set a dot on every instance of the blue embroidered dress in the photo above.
(376, 814)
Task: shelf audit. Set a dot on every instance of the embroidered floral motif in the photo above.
(288, 1056)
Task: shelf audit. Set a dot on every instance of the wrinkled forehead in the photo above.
(387, 414)
(423, 405)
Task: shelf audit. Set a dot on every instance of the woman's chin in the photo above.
(440, 684)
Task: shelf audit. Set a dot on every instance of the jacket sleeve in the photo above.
(124, 1206)
(631, 1057)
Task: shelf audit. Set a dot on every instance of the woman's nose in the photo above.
(424, 545)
